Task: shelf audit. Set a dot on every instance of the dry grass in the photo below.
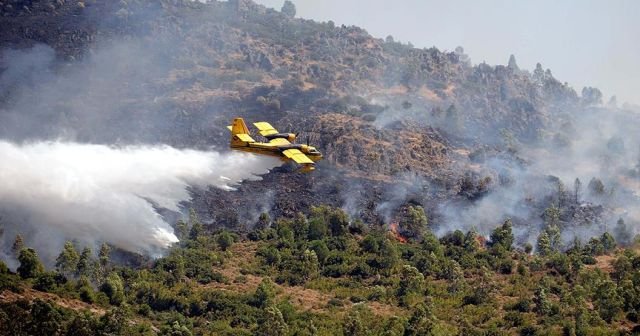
(244, 256)
(29, 294)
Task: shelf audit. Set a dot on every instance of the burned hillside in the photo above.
(383, 112)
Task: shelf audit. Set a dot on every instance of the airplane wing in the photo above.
(297, 156)
(279, 142)
(265, 128)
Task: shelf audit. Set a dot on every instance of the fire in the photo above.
(395, 232)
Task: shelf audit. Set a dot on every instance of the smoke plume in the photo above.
(53, 191)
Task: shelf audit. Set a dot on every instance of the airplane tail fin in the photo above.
(239, 133)
(238, 127)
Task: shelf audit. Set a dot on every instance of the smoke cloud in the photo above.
(52, 191)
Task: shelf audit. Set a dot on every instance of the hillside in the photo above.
(176, 72)
(453, 198)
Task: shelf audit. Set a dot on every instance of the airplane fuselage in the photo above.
(269, 149)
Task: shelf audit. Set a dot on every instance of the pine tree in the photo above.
(67, 260)
(18, 245)
(538, 75)
(544, 244)
(310, 264)
(414, 224)
(265, 293)
(543, 305)
(422, 321)
(512, 63)
(182, 229)
(554, 237)
(30, 264)
(289, 9)
(45, 319)
(224, 240)
(503, 235)
(577, 189)
(471, 242)
(196, 226)
(552, 215)
(608, 242)
(607, 300)
(353, 324)
(453, 118)
(622, 232)
(300, 226)
(411, 284)
(114, 289)
(264, 222)
(86, 264)
(273, 323)
(103, 255)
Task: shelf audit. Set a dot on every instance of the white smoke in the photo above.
(98, 193)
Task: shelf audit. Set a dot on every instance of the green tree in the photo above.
(264, 221)
(224, 240)
(622, 232)
(353, 324)
(196, 226)
(273, 323)
(471, 241)
(300, 226)
(389, 256)
(414, 224)
(321, 250)
(86, 265)
(182, 229)
(541, 299)
(553, 231)
(103, 255)
(115, 322)
(175, 329)
(544, 243)
(289, 9)
(82, 325)
(608, 242)
(338, 222)
(265, 293)
(503, 235)
(512, 63)
(552, 216)
(67, 260)
(411, 285)
(45, 319)
(422, 321)
(113, 287)
(310, 264)
(30, 265)
(607, 300)
(317, 229)
(538, 75)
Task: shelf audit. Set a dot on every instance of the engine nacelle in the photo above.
(291, 137)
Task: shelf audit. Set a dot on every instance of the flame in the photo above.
(394, 229)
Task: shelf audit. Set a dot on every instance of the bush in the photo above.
(45, 282)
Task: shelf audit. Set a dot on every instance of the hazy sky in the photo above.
(583, 42)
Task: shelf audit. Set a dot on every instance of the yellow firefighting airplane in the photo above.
(279, 144)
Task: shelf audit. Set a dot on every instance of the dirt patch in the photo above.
(31, 295)
(605, 263)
